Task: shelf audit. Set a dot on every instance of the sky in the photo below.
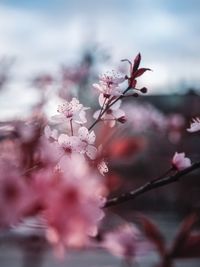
(41, 34)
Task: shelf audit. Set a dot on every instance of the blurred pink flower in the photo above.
(180, 162)
(143, 117)
(72, 198)
(15, 196)
(126, 242)
(194, 126)
(52, 135)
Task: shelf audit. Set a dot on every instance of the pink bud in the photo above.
(180, 162)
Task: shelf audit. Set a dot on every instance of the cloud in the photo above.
(42, 34)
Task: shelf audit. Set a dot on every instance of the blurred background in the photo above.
(39, 36)
(53, 50)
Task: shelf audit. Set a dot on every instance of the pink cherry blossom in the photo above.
(72, 197)
(69, 144)
(72, 110)
(180, 162)
(87, 140)
(112, 77)
(113, 114)
(126, 242)
(194, 126)
(108, 90)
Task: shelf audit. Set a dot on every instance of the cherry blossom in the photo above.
(109, 84)
(113, 114)
(112, 77)
(72, 197)
(195, 125)
(126, 242)
(69, 143)
(72, 110)
(108, 89)
(180, 162)
(87, 140)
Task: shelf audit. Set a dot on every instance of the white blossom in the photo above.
(194, 126)
(113, 114)
(72, 110)
(112, 77)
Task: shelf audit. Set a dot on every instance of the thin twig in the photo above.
(150, 186)
(107, 107)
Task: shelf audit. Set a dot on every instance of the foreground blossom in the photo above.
(180, 162)
(72, 198)
(126, 242)
(195, 125)
(71, 111)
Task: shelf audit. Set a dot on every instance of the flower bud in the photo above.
(143, 90)
(135, 95)
(122, 119)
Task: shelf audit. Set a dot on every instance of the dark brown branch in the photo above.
(150, 186)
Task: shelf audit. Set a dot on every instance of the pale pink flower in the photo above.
(72, 110)
(180, 162)
(113, 114)
(194, 126)
(112, 77)
(108, 90)
(69, 144)
(51, 135)
(126, 242)
(87, 142)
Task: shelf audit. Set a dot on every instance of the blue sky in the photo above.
(41, 34)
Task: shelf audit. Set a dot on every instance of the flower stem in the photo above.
(71, 126)
(162, 176)
(108, 106)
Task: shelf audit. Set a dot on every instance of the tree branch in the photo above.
(150, 186)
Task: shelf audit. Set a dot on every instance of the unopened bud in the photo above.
(122, 119)
(143, 90)
(135, 95)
